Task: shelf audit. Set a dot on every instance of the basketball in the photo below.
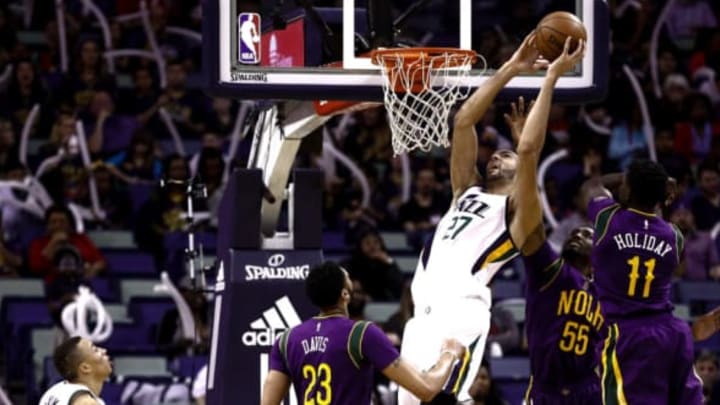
(552, 31)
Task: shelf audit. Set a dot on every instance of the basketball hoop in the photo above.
(421, 85)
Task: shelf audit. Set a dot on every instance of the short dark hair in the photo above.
(67, 358)
(324, 284)
(647, 181)
(60, 209)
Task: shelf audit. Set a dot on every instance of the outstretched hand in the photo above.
(526, 58)
(516, 119)
(567, 60)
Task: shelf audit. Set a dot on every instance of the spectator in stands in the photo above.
(358, 301)
(627, 139)
(209, 140)
(708, 369)
(8, 144)
(25, 90)
(504, 335)
(356, 218)
(420, 215)
(372, 266)
(61, 234)
(144, 99)
(170, 338)
(484, 390)
(684, 20)
(221, 117)
(211, 171)
(694, 136)
(113, 199)
(700, 257)
(394, 327)
(88, 75)
(138, 162)
(62, 131)
(164, 211)
(677, 166)
(61, 291)
(22, 208)
(671, 108)
(109, 131)
(706, 205)
(10, 259)
(186, 108)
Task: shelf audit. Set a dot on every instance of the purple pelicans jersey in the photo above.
(564, 324)
(330, 360)
(634, 255)
(647, 357)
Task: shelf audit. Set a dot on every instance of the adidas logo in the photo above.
(274, 321)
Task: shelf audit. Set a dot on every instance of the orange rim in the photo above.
(456, 56)
(409, 57)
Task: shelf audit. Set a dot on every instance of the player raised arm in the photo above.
(427, 384)
(526, 227)
(463, 156)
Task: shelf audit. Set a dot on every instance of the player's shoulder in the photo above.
(84, 399)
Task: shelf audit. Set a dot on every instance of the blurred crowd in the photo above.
(105, 127)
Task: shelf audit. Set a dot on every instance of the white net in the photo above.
(418, 118)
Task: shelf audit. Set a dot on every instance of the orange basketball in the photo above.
(552, 31)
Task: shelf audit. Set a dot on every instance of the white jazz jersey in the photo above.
(62, 392)
(471, 243)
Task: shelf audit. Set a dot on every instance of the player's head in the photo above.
(577, 248)
(78, 359)
(329, 286)
(501, 166)
(645, 184)
(708, 367)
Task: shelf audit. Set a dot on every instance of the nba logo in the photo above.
(249, 38)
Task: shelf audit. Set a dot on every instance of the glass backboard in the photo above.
(305, 49)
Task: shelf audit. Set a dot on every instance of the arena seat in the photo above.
(112, 239)
(379, 312)
(138, 288)
(130, 263)
(149, 310)
(187, 366)
(504, 289)
(42, 344)
(396, 242)
(682, 311)
(701, 296)
(407, 264)
(21, 288)
(105, 289)
(516, 306)
(140, 366)
(130, 338)
(510, 368)
(118, 313)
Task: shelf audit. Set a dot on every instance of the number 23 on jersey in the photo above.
(319, 379)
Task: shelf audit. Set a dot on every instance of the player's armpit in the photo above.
(84, 399)
(425, 385)
(275, 388)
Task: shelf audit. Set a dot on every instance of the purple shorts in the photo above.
(649, 360)
(584, 392)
